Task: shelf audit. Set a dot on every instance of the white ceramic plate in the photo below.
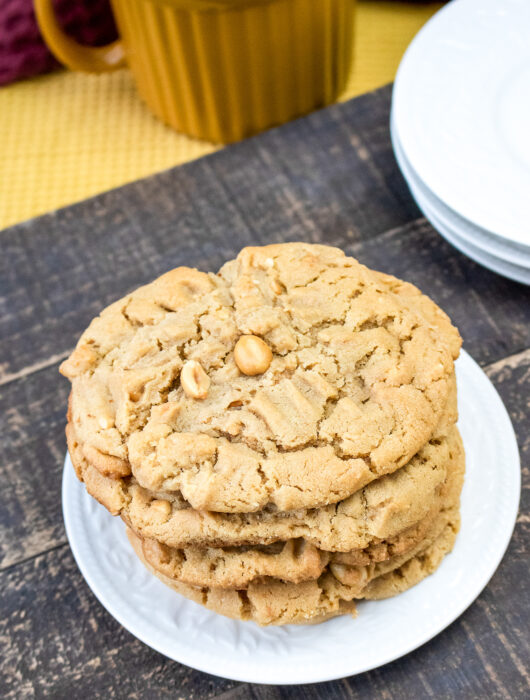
(428, 206)
(514, 253)
(497, 265)
(383, 631)
(462, 108)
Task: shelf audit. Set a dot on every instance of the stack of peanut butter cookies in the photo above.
(279, 437)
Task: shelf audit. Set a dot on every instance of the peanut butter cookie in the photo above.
(288, 381)
(379, 511)
(277, 603)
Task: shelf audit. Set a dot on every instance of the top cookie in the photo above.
(344, 378)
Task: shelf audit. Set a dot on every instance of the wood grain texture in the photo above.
(59, 642)
(330, 178)
(32, 416)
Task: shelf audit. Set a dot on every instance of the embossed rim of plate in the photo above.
(505, 266)
(383, 631)
(451, 99)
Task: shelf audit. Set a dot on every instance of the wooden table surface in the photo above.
(330, 178)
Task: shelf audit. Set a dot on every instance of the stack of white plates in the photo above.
(460, 128)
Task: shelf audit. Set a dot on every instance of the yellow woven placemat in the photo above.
(67, 136)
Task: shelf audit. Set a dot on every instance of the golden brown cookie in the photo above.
(379, 511)
(297, 560)
(341, 375)
(277, 603)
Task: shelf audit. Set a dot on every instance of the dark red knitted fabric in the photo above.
(23, 52)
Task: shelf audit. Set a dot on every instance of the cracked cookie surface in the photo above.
(279, 603)
(360, 375)
(297, 560)
(380, 510)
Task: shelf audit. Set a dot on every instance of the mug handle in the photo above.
(90, 59)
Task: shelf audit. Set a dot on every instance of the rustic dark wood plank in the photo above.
(330, 691)
(33, 446)
(59, 642)
(328, 178)
(484, 652)
(51, 622)
(32, 416)
(298, 182)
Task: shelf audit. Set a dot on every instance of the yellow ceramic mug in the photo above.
(222, 69)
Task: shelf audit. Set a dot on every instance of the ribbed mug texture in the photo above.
(236, 68)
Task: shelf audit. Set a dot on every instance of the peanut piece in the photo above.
(194, 380)
(276, 287)
(166, 412)
(105, 423)
(161, 508)
(82, 359)
(252, 355)
(108, 465)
